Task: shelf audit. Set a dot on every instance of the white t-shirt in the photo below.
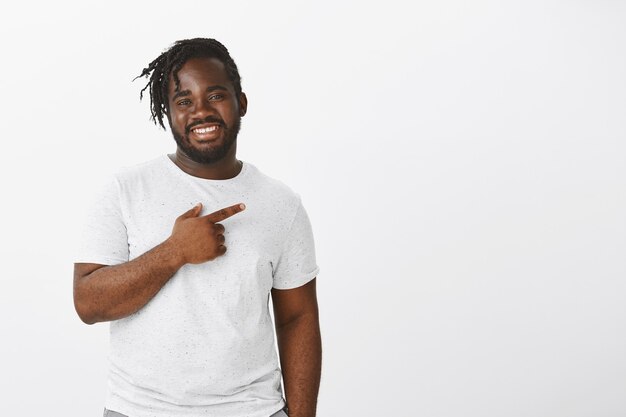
(204, 345)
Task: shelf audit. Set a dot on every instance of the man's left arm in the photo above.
(300, 346)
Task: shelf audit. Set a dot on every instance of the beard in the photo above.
(211, 154)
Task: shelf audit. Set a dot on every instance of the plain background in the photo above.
(462, 162)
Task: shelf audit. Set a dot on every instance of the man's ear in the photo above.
(243, 104)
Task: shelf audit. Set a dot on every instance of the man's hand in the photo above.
(201, 239)
(112, 292)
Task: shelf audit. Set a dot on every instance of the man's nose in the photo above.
(202, 109)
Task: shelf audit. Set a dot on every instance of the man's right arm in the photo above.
(105, 293)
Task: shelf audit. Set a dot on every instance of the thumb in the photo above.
(193, 212)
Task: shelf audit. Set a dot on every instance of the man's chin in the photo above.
(204, 152)
(205, 145)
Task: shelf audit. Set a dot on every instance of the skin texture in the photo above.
(300, 346)
(205, 93)
(206, 97)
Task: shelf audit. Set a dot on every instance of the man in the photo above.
(191, 332)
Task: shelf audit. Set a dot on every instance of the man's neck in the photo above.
(226, 168)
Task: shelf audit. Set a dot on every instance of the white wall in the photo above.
(463, 164)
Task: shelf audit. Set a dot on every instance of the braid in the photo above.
(171, 61)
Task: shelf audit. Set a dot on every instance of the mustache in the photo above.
(208, 119)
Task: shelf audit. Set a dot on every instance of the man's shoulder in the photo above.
(270, 186)
(147, 169)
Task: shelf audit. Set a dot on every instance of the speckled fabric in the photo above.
(109, 413)
(204, 345)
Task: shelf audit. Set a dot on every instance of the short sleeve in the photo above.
(104, 239)
(297, 264)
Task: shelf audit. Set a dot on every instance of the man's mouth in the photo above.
(202, 130)
(205, 131)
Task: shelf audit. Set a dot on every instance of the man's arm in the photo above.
(104, 293)
(300, 346)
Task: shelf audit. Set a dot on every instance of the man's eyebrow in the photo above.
(216, 87)
(209, 89)
(181, 94)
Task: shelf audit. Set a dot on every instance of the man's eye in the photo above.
(215, 97)
(184, 102)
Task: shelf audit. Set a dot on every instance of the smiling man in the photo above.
(190, 328)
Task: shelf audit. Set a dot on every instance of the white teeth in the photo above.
(205, 129)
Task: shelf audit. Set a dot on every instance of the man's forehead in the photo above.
(199, 68)
(200, 74)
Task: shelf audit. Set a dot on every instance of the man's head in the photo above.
(196, 85)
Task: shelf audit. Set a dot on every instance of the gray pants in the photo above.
(109, 413)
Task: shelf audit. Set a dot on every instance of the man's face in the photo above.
(205, 113)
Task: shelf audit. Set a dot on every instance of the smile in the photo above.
(202, 130)
(206, 131)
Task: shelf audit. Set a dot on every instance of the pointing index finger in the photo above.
(226, 212)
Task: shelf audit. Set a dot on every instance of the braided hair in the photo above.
(171, 61)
